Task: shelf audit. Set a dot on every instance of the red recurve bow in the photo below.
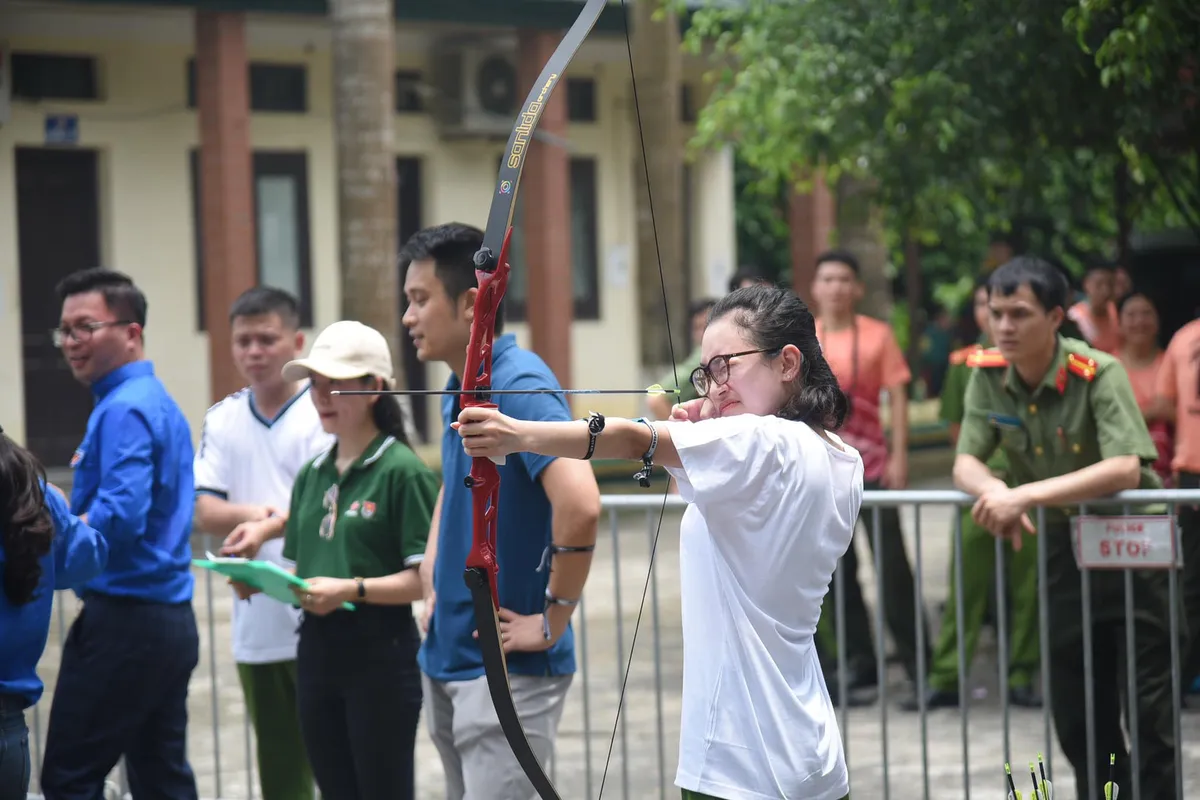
(492, 271)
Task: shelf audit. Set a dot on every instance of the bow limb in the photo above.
(492, 271)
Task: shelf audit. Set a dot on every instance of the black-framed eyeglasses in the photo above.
(83, 331)
(716, 371)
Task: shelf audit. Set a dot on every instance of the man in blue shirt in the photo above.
(549, 509)
(122, 684)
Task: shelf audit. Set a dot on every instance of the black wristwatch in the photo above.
(362, 588)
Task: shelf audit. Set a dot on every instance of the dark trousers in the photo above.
(14, 749)
(897, 594)
(1189, 535)
(122, 690)
(1152, 703)
(359, 693)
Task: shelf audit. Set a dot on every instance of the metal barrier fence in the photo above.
(931, 754)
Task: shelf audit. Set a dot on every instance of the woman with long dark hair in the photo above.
(356, 530)
(43, 547)
(773, 495)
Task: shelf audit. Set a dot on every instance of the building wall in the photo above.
(144, 131)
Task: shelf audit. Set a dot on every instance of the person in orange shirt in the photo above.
(1142, 358)
(1096, 315)
(1122, 282)
(1179, 394)
(867, 361)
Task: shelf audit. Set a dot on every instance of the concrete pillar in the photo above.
(546, 197)
(226, 182)
(811, 218)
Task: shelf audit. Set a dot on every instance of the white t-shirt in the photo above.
(245, 458)
(772, 509)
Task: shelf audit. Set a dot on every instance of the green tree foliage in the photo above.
(1148, 54)
(969, 116)
(762, 226)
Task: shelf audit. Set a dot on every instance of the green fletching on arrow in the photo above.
(1046, 786)
(657, 389)
(1111, 790)
(1013, 794)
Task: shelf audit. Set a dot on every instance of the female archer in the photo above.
(773, 495)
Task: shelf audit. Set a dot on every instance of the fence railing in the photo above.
(945, 753)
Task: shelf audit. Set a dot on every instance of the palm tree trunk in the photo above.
(364, 108)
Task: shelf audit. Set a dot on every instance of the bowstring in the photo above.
(662, 280)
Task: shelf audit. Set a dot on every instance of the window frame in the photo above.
(585, 308)
(285, 163)
(20, 61)
(260, 70)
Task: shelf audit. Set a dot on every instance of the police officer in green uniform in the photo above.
(1066, 418)
(979, 563)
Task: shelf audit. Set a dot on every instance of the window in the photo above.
(282, 88)
(687, 103)
(45, 76)
(281, 228)
(585, 247)
(581, 100)
(408, 92)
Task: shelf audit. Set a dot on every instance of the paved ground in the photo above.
(917, 762)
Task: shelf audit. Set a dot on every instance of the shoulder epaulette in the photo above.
(1081, 366)
(960, 355)
(987, 358)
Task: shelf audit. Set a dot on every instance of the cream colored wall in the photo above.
(714, 233)
(143, 132)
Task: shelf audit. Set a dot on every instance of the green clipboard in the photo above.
(269, 578)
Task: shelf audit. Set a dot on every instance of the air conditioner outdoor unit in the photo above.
(5, 84)
(476, 89)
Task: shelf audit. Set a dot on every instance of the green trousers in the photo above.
(270, 691)
(978, 579)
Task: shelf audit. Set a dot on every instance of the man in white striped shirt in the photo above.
(253, 444)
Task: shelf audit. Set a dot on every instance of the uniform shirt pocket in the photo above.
(1015, 440)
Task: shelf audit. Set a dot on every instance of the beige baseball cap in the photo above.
(344, 350)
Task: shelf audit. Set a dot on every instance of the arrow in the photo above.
(1047, 786)
(654, 390)
(1013, 794)
(1111, 790)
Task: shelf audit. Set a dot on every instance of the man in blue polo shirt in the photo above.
(548, 510)
(123, 680)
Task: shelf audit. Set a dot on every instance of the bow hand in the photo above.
(486, 433)
(692, 410)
